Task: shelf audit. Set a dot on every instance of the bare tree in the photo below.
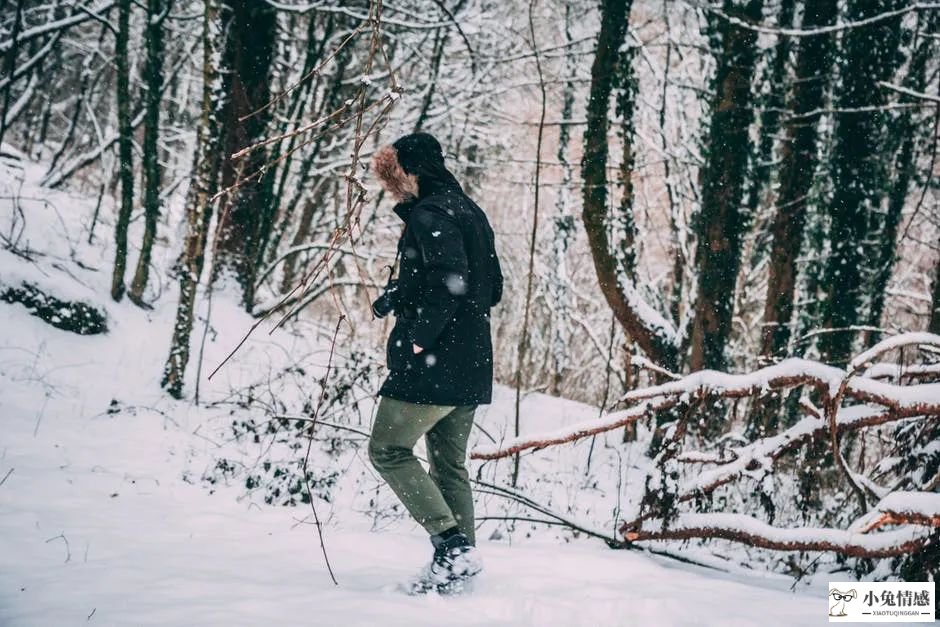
(640, 321)
(157, 10)
(125, 149)
(202, 187)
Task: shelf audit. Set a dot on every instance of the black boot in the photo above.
(455, 561)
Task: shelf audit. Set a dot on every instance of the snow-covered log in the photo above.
(748, 530)
(910, 400)
(874, 403)
(898, 401)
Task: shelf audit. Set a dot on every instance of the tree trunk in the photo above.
(198, 205)
(11, 67)
(246, 211)
(721, 222)
(125, 150)
(859, 174)
(905, 128)
(620, 293)
(934, 325)
(312, 205)
(559, 280)
(797, 169)
(153, 76)
(306, 94)
(774, 81)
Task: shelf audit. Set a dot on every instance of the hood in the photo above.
(413, 166)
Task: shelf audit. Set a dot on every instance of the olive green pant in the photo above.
(438, 499)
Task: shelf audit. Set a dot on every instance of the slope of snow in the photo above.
(97, 519)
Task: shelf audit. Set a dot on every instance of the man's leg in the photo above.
(447, 454)
(398, 425)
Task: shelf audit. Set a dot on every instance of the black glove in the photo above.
(388, 301)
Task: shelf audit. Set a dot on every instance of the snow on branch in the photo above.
(821, 30)
(917, 95)
(909, 400)
(642, 363)
(902, 508)
(649, 315)
(892, 343)
(897, 371)
(573, 432)
(81, 14)
(751, 531)
(769, 449)
(833, 383)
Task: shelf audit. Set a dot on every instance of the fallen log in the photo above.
(752, 532)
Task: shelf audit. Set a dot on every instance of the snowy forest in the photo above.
(716, 358)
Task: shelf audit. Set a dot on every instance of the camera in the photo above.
(388, 301)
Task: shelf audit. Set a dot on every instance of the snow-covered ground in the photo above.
(104, 519)
(98, 527)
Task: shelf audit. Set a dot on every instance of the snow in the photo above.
(924, 505)
(104, 518)
(898, 341)
(145, 547)
(44, 276)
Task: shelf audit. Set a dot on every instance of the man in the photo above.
(439, 354)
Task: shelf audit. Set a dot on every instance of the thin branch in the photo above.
(310, 430)
(821, 30)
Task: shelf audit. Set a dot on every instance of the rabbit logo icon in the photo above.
(839, 599)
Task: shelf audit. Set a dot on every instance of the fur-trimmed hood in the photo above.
(413, 166)
(398, 183)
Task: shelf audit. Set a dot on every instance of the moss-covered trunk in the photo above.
(721, 222)
(153, 77)
(859, 174)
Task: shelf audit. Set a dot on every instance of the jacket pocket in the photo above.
(398, 352)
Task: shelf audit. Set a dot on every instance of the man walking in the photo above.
(439, 354)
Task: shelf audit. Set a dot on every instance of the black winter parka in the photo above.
(448, 280)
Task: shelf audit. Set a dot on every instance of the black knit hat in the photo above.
(419, 152)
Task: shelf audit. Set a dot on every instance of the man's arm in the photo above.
(445, 274)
